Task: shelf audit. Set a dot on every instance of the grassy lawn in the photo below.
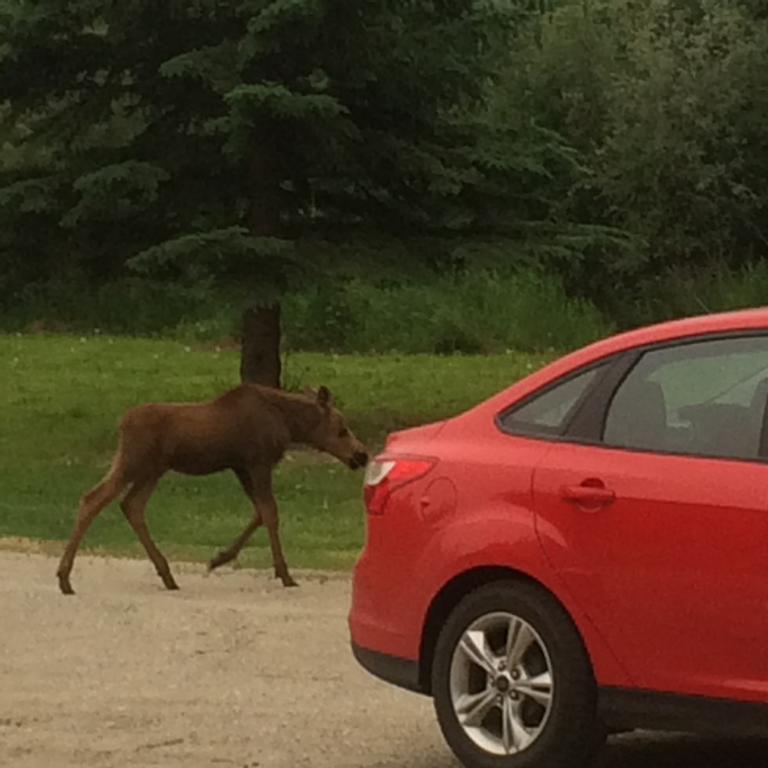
(61, 398)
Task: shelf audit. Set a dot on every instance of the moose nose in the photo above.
(360, 459)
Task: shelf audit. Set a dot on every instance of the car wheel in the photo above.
(512, 682)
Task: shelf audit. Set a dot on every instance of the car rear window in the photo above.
(548, 414)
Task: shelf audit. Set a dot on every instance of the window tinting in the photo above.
(548, 414)
(706, 398)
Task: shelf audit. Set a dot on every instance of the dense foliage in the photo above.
(666, 100)
(618, 145)
(204, 136)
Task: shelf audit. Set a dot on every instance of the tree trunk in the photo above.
(260, 351)
(260, 348)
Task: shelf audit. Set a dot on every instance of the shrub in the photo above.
(467, 313)
(681, 292)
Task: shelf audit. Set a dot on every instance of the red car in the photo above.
(586, 551)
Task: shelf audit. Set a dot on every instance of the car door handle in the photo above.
(588, 495)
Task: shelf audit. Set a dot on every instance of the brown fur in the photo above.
(247, 430)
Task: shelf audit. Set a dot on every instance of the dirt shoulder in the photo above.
(233, 670)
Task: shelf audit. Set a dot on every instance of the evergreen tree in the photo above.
(199, 137)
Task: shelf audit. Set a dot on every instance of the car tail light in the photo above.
(384, 475)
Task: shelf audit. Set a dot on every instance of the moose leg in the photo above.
(133, 506)
(264, 503)
(91, 504)
(231, 552)
(268, 508)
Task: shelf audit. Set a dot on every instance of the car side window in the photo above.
(704, 398)
(548, 414)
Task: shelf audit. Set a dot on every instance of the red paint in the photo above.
(672, 571)
(660, 560)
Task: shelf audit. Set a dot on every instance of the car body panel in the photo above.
(664, 583)
(673, 582)
(392, 595)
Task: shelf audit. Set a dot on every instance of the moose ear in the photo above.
(324, 397)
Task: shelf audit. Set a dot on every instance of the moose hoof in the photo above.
(169, 582)
(65, 586)
(289, 582)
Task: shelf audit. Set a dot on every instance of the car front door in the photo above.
(659, 528)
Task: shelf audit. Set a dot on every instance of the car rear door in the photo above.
(658, 520)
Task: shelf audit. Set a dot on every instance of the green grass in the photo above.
(61, 398)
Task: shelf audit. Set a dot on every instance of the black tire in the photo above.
(571, 733)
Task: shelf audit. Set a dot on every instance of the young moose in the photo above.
(247, 430)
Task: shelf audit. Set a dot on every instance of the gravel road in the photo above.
(233, 670)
